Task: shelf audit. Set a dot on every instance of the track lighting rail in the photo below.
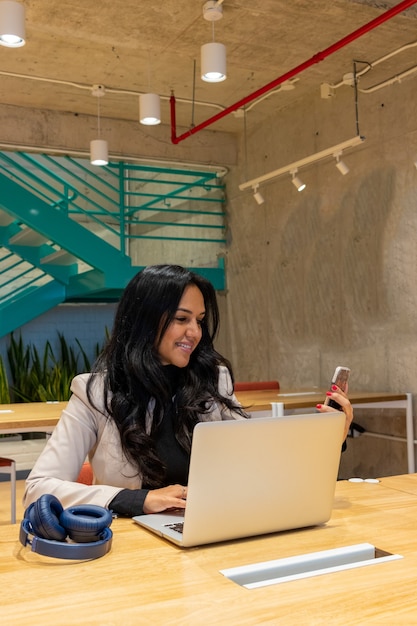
(313, 158)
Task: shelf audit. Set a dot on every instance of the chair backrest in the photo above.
(86, 474)
(257, 385)
(4, 462)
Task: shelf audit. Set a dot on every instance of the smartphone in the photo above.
(340, 378)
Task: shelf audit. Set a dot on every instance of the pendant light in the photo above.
(149, 103)
(213, 54)
(99, 152)
(12, 24)
(149, 109)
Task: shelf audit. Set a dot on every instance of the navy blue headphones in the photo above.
(46, 527)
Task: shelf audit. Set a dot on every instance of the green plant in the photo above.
(19, 360)
(38, 376)
(4, 385)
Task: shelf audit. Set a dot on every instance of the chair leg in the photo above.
(13, 492)
(8, 466)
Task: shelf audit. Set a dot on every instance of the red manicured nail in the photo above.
(334, 387)
(329, 393)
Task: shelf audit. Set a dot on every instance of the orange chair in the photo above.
(257, 386)
(86, 474)
(8, 466)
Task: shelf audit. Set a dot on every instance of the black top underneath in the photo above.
(176, 460)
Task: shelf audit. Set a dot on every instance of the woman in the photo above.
(134, 414)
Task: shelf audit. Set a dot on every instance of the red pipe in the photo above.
(300, 68)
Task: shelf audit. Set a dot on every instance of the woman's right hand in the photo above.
(171, 497)
(341, 398)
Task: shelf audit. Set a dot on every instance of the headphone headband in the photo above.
(63, 550)
(46, 527)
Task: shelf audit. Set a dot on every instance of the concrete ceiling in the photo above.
(136, 46)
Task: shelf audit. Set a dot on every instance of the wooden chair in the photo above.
(257, 386)
(8, 466)
(86, 474)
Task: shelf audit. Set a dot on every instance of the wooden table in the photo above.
(259, 403)
(408, 484)
(29, 417)
(146, 580)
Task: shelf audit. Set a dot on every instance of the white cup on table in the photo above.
(277, 409)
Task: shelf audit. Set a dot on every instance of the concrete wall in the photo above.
(328, 276)
(61, 133)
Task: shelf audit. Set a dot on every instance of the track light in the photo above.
(341, 165)
(309, 160)
(257, 195)
(99, 153)
(213, 55)
(300, 186)
(149, 109)
(12, 24)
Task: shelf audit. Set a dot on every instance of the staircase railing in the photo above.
(125, 201)
(70, 231)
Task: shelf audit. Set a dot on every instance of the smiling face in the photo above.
(184, 332)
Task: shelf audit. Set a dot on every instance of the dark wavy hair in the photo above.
(133, 374)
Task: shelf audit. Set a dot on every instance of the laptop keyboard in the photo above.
(177, 526)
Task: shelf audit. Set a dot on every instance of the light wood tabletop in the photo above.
(25, 416)
(260, 400)
(408, 483)
(146, 580)
(30, 416)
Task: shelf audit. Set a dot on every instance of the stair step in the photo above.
(59, 257)
(6, 219)
(28, 237)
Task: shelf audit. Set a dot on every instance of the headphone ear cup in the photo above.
(85, 523)
(44, 517)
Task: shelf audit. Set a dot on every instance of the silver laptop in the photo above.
(256, 476)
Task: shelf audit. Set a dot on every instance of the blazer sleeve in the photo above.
(57, 468)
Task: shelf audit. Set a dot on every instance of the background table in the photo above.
(30, 417)
(259, 403)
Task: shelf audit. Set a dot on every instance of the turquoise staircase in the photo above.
(66, 227)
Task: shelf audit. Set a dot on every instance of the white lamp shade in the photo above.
(99, 152)
(259, 197)
(149, 109)
(298, 183)
(213, 62)
(342, 167)
(12, 24)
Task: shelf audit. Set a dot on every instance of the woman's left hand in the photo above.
(341, 398)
